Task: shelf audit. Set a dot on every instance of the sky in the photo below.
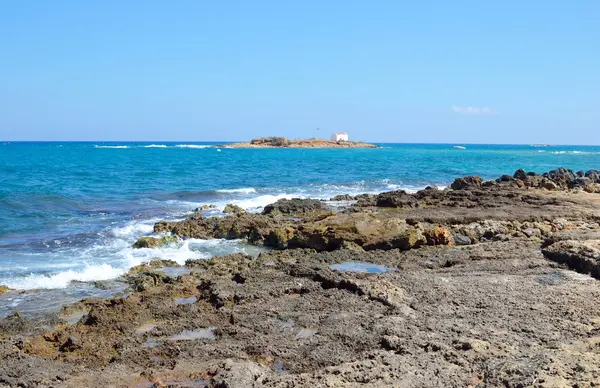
(516, 72)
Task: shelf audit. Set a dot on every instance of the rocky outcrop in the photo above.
(294, 206)
(396, 199)
(581, 256)
(233, 209)
(282, 142)
(466, 182)
(436, 288)
(153, 242)
(559, 179)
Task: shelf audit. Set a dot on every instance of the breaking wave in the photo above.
(245, 190)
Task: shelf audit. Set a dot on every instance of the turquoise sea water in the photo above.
(69, 212)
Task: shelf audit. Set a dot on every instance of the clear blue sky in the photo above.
(403, 71)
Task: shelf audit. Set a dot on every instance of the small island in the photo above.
(282, 142)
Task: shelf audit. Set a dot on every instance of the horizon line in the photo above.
(240, 141)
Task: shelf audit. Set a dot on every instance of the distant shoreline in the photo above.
(282, 142)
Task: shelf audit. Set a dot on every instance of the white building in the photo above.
(339, 136)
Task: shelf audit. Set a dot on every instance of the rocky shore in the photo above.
(483, 284)
(282, 142)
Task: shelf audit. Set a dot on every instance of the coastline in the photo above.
(462, 285)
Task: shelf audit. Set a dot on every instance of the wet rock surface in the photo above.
(486, 285)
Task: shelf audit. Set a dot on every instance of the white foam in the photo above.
(572, 152)
(156, 146)
(134, 229)
(116, 147)
(192, 146)
(244, 190)
(261, 201)
(176, 252)
(63, 279)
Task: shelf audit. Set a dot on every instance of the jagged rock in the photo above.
(581, 256)
(342, 197)
(147, 280)
(410, 239)
(520, 174)
(294, 205)
(549, 185)
(397, 199)
(153, 264)
(70, 345)
(153, 242)
(235, 209)
(466, 182)
(562, 177)
(3, 289)
(505, 178)
(581, 182)
(461, 239)
(592, 188)
(205, 207)
(594, 175)
(438, 236)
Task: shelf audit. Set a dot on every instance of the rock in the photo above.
(3, 289)
(153, 264)
(153, 242)
(533, 180)
(466, 182)
(592, 188)
(235, 209)
(280, 238)
(561, 177)
(70, 345)
(396, 199)
(461, 239)
(205, 207)
(505, 178)
(410, 239)
(147, 280)
(532, 232)
(581, 182)
(232, 374)
(438, 236)
(520, 174)
(594, 175)
(549, 185)
(489, 184)
(580, 174)
(342, 197)
(351, 246)
(295, 205)
(581, 256)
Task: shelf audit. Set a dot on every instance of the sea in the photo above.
(70, 211)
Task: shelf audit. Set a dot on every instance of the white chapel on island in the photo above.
(339, 136)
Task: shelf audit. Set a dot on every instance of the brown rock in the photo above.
(466, 182)
(438, 236)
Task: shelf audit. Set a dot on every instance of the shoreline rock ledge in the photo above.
(482, 284)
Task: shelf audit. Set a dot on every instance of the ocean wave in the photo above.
(573, 152)
(134, 229)
(115, 147)
(156, 146)
(63, 279)
(258, 203)
(244, 190)
(192, 146)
